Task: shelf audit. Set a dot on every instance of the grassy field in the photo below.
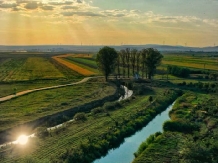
(30, 68)
(39, 104)
(80, 132)
(198, 62)
(75, 67)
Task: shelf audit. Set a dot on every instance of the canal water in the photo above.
(125, 153)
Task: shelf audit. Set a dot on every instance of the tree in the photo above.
(118, 64)
(143, 53)
(127, 56)
(106, 60)
(152, 60)
(133, 54)
(123, 61)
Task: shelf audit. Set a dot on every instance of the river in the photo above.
(124, 153)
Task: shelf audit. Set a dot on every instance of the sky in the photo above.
(109, 22)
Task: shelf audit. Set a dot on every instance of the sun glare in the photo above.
(23, 139)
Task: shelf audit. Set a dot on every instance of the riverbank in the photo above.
(190, 134)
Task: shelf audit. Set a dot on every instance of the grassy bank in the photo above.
(78, 143)
(39, 104)
(189, 136)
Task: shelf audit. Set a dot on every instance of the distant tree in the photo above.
(127, 55)
(106, 60)
(133, 56)
(138, 57)
(118, 64)
(123, 61)
(143, 54)
(152, 60)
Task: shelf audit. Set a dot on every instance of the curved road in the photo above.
(2, 99)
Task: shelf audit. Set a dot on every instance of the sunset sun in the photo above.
(22, 139)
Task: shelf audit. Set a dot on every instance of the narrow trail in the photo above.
(6, 98)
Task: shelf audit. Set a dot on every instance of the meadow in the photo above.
(39, 104)
(30, 68)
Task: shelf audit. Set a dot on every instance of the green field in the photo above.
(79, 132)
(198, 62)
(84, 63)
(38, 104)
(30, 68)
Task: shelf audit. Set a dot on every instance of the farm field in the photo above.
(30, 68)
(85, 63)
(79, 69)
(39, 104)
(207, 63)
(77, 132)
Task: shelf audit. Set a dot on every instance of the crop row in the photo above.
(74, 67)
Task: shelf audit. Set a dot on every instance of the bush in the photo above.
(97, 110)
(42, 132)
(80, 116)
(150, 99)
(178, 71)
(112, 105)
(178, 126)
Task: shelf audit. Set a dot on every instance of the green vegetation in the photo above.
(106, 60)
(189, 136)
(77, 141)
(39, 104)
(90, 62)
(30, 68)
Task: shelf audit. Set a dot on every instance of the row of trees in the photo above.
(145, 60)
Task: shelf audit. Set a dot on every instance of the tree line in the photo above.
(133, 61)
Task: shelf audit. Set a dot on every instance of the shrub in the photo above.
(42, 132)
(111, 105)
(179, 126)
(80, 117)
(150, 99)
(97, 110)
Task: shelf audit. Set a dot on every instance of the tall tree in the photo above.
(127, 56)
(106, 60)
(138, 57)
(118, 64)
(133, 54)
(143, 54)
(152, 60)
(123, 61)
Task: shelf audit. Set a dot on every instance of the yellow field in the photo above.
(72, 66)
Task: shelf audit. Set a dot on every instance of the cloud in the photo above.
(86, 14)
(69, 7)
(47, 7)
(7, 5)
(31, 5)
(61, 3)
